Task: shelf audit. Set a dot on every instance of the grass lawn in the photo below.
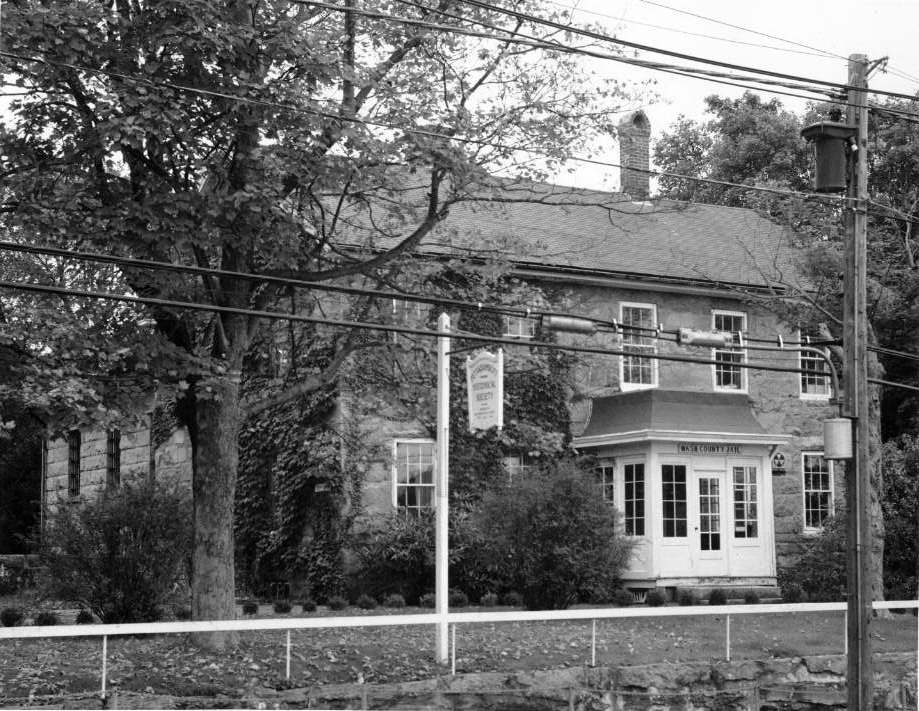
(172, 665)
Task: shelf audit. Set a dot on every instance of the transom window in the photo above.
(673, 498)
(729, 375)
(745, 509)
(113, 459)
(638, 370)
(818, 489)
(634, 499)
(606, 480)
(414, 475)
(73, 462)
(519, 327)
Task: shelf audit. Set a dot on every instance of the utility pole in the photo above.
(860, 676)
(441, 470)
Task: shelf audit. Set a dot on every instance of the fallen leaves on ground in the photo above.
(172, 664)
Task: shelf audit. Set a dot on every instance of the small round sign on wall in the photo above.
(778, 463)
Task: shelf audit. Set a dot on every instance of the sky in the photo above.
(809, 38)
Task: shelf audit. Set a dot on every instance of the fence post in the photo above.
(104, 662)
(287, 668)
(845, 637)
(453, 649)
(727, 637)
(593, 643)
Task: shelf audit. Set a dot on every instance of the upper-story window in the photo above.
(413, 475)
(728, 374)
(818, 489)
(73, 462)
(519, 327)
(638, 369)
(814, 380)
(113, 459)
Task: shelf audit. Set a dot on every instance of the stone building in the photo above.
(716, 468)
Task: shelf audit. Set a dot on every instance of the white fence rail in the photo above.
(454, 618)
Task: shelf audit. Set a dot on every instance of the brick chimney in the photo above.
(635, 152)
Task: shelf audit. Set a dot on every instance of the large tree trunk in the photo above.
(216, 461)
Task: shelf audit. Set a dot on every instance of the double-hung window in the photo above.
(519, 327)
(113, 459)
(413, 475)
(605, 472)
(73, 462)
(818, 489)
(815, 382)
(517, 465)
(633, 476)
(638, 368)
(728, 374)
(673, 499)
(745, 509)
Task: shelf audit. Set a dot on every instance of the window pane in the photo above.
(673, 477)
(818, 490)
(638, 340)
(414, 475)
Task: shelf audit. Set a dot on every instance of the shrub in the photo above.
(182, 613)
(337, 602)
(792, 592)
(397, 556)
(427, 600)
(553, 535)
(457, 598)
(282, 607)
(394, 600)
(489, 600)
(11, 617)
(85, 617)
(717, 596)
(365, 602)
(622, 597)
(47, 618)
(655, 598)
(308, 605)
(250, 607)
(687, 598)
(750, 597)
(120, 554)
(512, 599)
(820, 572)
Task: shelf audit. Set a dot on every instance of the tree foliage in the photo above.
(555, 539)
(271, 138)
(901, 517)
(121, 554)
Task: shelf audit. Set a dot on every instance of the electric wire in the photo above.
(677, 30)
(393, 328)
(657, 50)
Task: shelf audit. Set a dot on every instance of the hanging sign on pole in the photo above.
(485, 387)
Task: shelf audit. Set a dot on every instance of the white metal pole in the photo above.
(727, 638)
(441, 582)
(287, 665)
(104, 662)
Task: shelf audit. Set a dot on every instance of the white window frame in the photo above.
(517, 464)
(831, 490)
(624, 344)
(802, 356)
(395, 474)
(522, 327)
(741, 351)
(645, 499)
(752, 498)
(607, 481)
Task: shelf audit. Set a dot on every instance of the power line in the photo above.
(416, 131)
(280, 316)
(574, 8)
(657, 50)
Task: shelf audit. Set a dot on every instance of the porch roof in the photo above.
(659, 413)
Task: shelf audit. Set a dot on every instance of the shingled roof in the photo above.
(568, 228)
